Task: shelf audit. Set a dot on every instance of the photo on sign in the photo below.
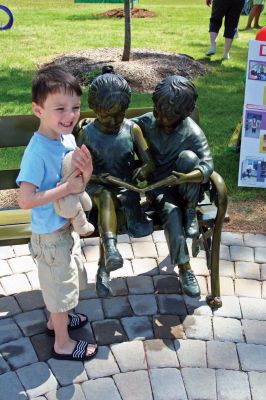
(257, 70)
(263, 143)
(253, 124)
(262, 174)
(253, 171)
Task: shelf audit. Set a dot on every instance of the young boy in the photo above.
(177, 144)
(113, 140)
(54, 244)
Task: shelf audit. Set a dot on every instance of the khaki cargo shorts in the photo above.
(60, 268)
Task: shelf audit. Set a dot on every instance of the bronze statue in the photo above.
(182, 158)
(113, 141)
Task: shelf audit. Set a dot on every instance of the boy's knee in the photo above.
(106, 194)
(187, 161)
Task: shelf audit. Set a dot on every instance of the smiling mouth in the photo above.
(66, 125)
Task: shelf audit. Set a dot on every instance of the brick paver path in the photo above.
(154, 343)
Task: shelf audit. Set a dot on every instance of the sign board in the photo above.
(252, 164)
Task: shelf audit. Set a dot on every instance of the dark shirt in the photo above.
(111, 153)
(165, 148)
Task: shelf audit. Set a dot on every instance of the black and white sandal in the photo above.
(75, 322)
(78, 354)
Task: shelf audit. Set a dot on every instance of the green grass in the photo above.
(45, 29)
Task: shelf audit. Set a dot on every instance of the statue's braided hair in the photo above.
(107, 90)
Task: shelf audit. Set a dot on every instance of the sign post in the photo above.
(252, 164)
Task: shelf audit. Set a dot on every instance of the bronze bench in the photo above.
(16, 131)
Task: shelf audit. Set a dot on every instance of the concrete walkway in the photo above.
(154, 343)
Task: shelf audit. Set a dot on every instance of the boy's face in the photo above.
(166, 123)
(111, 119)
(59, 113)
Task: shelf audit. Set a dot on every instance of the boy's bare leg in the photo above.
(50, 322)
(63, 342)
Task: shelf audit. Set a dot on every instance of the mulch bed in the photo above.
(143, 71)
(135, 13)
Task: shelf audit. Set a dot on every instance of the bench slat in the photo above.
(15, 224)
(16, 130)
(15, 216)
(18, 231)
(8, 179)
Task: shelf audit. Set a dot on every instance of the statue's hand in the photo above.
(182, 178)
(142, 172)
(139, 174)
(101, 178)
(193, 176)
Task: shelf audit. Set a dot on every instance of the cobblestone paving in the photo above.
(154, 343)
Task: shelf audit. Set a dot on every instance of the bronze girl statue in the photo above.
(113, 141)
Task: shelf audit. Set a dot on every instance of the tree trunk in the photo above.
(127, 41)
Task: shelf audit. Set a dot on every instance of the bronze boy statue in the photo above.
(179, 149)
(113, 140)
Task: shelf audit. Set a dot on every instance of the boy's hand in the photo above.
(208, 2)
(181, 177)
(138, 174)
(193, 176)
(75, 182)
(82, 160)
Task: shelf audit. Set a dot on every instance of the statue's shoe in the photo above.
(112, 257)
(113, 260)
(189, 283)
(103, 287)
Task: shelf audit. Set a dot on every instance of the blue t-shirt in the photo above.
(41, 166)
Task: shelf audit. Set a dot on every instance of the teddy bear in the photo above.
(74, 206)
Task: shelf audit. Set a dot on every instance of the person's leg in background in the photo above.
(227, 46)
(254, 14)
(260, 4)
(219, 8)
(212, 49)
(230, 25)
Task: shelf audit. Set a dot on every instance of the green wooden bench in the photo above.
(16, 130)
